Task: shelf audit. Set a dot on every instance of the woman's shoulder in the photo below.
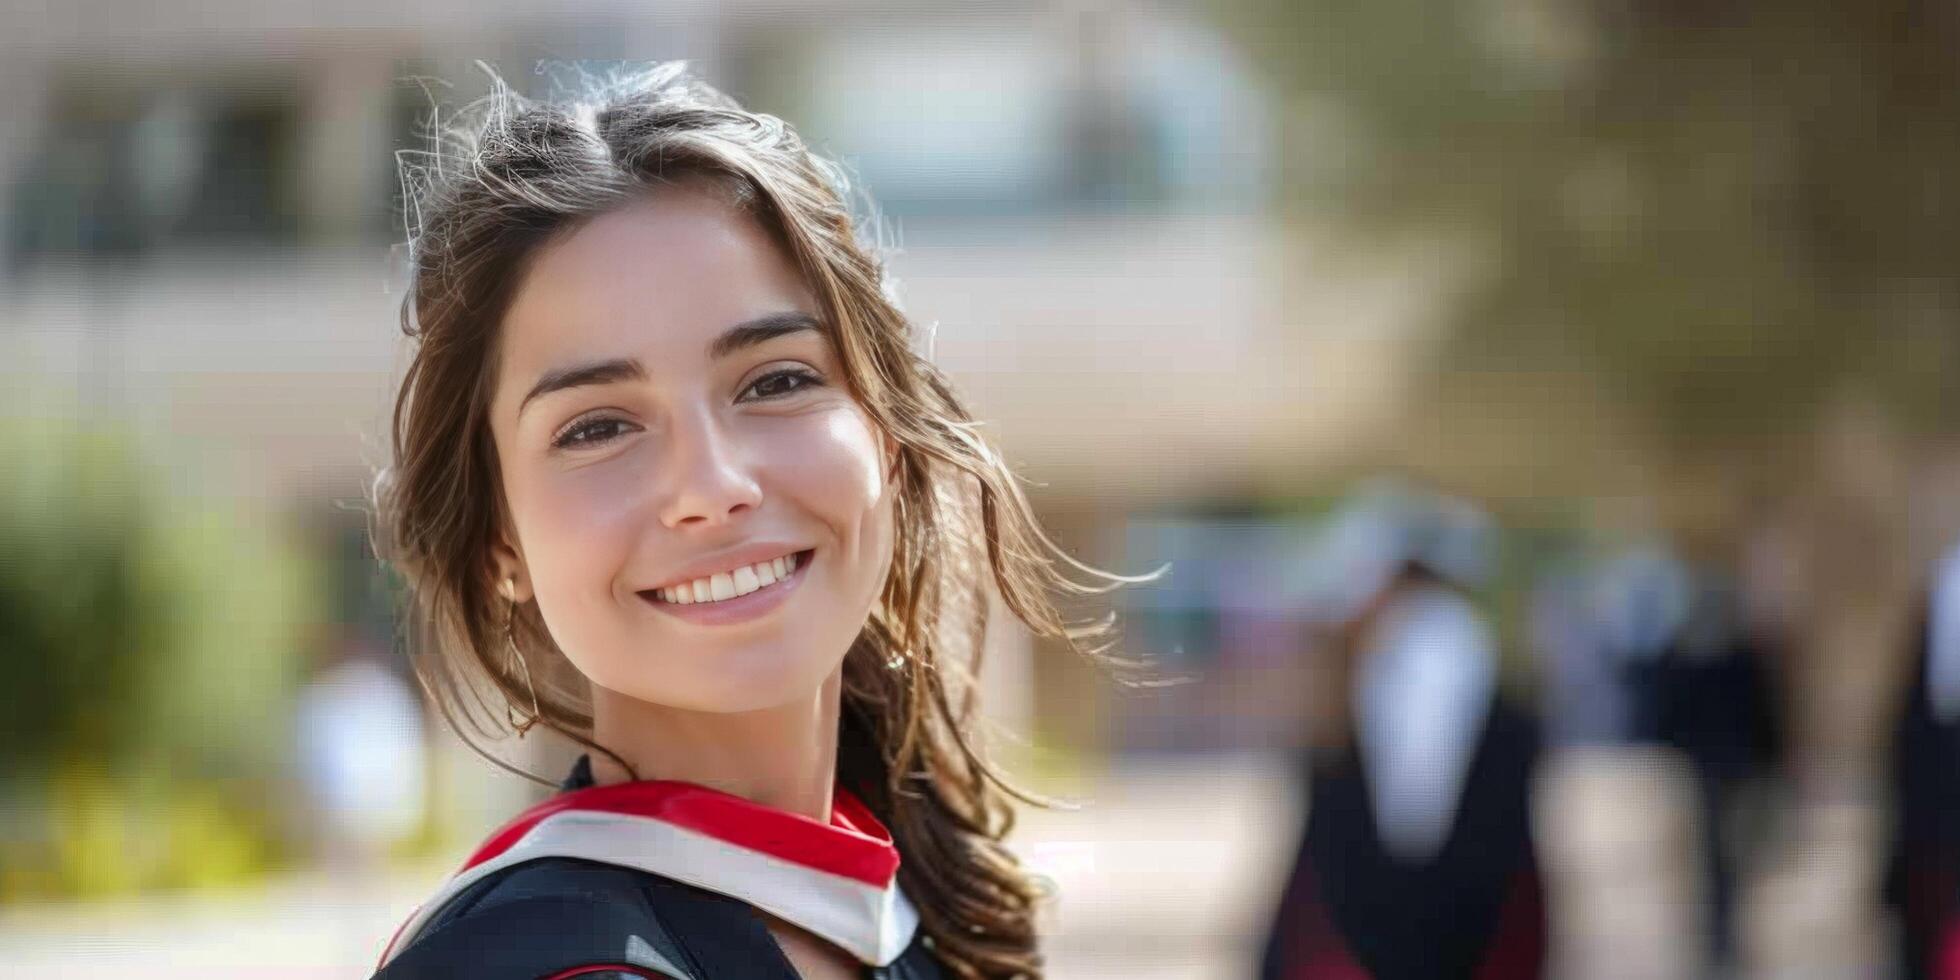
(552, 917)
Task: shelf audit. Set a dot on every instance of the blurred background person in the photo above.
(362, 768)
(1923, 866)
(1713, 702)
(360, 755)
(1640, 649)
(1418, 858)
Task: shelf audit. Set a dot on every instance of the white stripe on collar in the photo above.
(1423, 696)
(838, 881)
(1943, 640)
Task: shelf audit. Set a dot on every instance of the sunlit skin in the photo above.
(645, 474)
(620, 486)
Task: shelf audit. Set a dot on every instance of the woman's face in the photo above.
(700, 508)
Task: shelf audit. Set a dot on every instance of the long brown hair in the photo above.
(508, 174)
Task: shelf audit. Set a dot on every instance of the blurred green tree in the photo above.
(1726, 213)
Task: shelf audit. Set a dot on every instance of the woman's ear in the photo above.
(513, 579)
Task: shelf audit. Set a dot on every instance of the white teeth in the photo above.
(729, 584)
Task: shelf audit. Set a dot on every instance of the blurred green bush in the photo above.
(151, 640)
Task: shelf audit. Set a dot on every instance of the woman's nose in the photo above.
(705, 478)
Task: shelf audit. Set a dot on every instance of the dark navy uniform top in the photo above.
(1353, 910)
(575, 911)
(1922, 881)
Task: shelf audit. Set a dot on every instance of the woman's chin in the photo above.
(734, 691)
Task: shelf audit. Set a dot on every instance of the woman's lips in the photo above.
(741, 608)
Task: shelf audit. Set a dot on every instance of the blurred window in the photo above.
(125, 164)
(982, 115)
(942, 117)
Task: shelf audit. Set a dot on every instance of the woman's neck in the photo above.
(783, 757)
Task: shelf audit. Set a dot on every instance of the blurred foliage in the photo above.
(1709, 218)
(149, 645)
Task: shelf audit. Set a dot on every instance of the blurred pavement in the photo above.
(1165, 872)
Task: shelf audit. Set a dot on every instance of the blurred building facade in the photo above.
(203, 231)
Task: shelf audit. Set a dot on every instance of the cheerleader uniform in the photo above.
(665, 880)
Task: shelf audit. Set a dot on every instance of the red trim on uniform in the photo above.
(590, 969)
(397, 937)
(1517, 950)
(1928, 911)
(1945, 962)
(853, 845)
(1311, 947)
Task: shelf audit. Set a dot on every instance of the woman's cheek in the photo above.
(845, 457)
(583, 530)
(859, 502)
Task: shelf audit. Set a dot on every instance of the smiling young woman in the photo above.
(671, 480)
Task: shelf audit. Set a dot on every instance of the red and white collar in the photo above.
(837, 880)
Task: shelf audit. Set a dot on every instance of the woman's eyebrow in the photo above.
(767, 327)
(741, 336)
(599, 373)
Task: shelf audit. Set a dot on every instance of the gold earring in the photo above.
(509, 589)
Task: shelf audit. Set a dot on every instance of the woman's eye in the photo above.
(782, 383)
(590, 433)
